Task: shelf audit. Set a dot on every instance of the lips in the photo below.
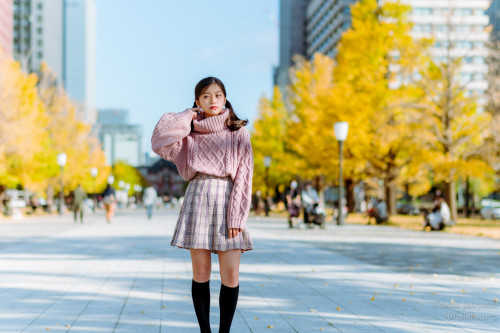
(213, 107)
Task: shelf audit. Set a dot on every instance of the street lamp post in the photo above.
(61, 161)
(340, 130)
(267, 164)
(127, 189)
(93, 173)
(137, 190)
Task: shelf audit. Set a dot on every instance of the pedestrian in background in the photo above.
(309, 199)
(149, 199)
(440, 215)
(109, 201)
(293, 200)
(79, 196)
(211, 147)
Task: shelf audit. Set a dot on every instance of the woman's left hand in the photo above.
(233, 232)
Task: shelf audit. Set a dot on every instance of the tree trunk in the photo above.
(351, 201)
(390, 197)
(473, 204)
(467, 197)
(50, 198)
(319, 184)
(451, 200)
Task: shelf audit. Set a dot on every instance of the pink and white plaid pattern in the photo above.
(202, 222)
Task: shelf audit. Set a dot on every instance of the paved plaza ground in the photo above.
(125, 277)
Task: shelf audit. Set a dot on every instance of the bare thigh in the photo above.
(229, 262)
(202, 265)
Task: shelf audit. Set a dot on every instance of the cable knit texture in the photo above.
(211, 148)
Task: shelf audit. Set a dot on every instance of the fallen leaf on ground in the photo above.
(270, 326)
(338, 308)
(313, 310)
(373, 298)
(256, 318)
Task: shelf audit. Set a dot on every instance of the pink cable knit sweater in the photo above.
(211, 148)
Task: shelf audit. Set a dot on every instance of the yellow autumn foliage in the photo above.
(38, 121)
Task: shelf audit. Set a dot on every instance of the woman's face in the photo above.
(212, 100)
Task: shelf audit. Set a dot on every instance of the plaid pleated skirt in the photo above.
(202, 222)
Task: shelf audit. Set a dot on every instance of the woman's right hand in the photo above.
(196, 111)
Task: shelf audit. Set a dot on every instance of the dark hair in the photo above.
(233, 122)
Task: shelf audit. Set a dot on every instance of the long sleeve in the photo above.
(169, 132)
(241, 195)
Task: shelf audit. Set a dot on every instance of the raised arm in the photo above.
(241, 195)
(169, 132)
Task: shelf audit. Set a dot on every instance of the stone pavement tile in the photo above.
(361, 308)
(125, 277)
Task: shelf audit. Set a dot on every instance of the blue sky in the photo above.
(151, 54)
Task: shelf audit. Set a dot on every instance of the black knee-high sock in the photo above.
(228, 299)
(201, 301)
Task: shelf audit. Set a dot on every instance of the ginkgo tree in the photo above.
(359, 88)
(38, 121)
(269, 138)
(453, 129)
(69, 135)
(22, 125)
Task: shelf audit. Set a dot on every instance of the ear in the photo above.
(197, 103)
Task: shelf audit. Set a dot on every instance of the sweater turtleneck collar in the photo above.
(211, 124)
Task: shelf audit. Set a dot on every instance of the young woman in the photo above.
(211, 148)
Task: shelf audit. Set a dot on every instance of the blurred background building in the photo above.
(460, 26)
(165, 178)
(120, 140)
(326, 21)
(494, 14)
(60, 33)
(6, 27)
(292, 37)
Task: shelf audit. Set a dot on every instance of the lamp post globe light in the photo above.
(340, 130)
(93, 173)
(111, 180)
(267, 164)
(61, 161)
